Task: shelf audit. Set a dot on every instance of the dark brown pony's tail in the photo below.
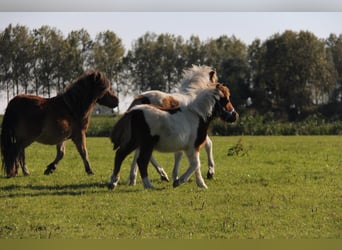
(9, 148)
(122, 131)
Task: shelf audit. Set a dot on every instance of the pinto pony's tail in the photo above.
(122, 131)
(8, 144)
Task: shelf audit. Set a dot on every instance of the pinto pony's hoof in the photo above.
(48, 171)
(176, 183)
(111, 186)
(210, 175)
(164, 178)
(90, 172)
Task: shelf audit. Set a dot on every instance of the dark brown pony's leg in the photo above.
(80, 142)
(22, 162)
(53, 165)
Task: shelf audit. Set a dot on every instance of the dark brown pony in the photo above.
(30, 118)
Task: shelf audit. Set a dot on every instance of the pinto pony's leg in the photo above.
(195, 165)
(178, 157)
(120, 155)
(143, 160)
(211, 164)
(132, 179)
(60, 148)
(160, 170)
(80, 142)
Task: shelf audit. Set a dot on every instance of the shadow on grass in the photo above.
(17, 190)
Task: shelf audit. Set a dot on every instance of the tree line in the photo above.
(287, 76)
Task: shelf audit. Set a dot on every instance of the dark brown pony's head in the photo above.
(109, 99)
(223, 107)
(93, 86)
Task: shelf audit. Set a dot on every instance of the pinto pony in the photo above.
(53, 120)
(193, 80)
(183, 128)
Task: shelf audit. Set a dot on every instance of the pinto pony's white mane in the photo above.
(197, 77)
(204, 102)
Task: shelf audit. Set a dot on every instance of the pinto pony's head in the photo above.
(223, 106)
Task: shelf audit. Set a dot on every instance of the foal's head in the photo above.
(223, 106)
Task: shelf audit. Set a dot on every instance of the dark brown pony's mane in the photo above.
(80, 96)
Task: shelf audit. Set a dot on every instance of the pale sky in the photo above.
(131, 25)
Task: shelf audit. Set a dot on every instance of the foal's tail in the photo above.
(8, 144)
(122, 131)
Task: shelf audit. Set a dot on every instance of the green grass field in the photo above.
(275, 188)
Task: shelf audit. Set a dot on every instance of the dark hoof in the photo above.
(111, 186)
(210, 175)
(90, 172)
(176, 183)
(26, 173)
(48, 171)
(164, 178)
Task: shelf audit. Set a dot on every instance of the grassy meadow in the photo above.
(272, 187)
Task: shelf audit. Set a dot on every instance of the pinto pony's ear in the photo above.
(213, 76)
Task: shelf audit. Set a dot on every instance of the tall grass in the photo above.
(276, 187)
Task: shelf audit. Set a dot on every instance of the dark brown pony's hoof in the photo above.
(26, 172)
(111, 186)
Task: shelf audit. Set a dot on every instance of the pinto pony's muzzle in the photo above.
(229, 116)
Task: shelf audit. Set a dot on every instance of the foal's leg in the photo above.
(60, 154)
(195, 165)
(80, 142)
(211, 164)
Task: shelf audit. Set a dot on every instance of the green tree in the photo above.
(156, 62)
(6, 67)
(107, 55)
(48, 53)
(334, 51)
(229, 56)
(292, 72)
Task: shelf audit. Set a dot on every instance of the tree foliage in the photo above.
(285, 76)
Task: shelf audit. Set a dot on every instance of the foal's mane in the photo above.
(197, 77)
